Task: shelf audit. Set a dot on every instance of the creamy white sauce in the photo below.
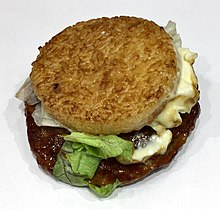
(156, 144)
(185, 98)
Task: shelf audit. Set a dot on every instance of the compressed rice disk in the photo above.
(106, 75)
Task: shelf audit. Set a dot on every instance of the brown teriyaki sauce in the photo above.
(45, 143)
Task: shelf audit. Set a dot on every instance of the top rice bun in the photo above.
(106, 75)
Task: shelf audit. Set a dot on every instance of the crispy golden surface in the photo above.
(107, 75)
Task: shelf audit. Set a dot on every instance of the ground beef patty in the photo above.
(45, 142)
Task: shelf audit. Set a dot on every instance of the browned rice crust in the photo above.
(107, 75)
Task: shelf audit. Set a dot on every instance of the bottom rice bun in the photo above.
(110, 100)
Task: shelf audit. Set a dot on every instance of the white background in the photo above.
(191, 181)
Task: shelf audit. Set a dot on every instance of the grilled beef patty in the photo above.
(46, 142)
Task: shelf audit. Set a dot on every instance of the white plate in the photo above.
(191, 181)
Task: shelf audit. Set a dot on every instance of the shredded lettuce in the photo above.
(81, 154)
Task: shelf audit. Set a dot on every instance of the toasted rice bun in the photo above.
(107, 75)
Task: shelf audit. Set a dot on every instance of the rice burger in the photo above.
(110, 100)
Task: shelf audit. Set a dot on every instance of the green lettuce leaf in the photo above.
(83, 163)
(63, 171)
(105, 191)
(81, 154)
(103, 146)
